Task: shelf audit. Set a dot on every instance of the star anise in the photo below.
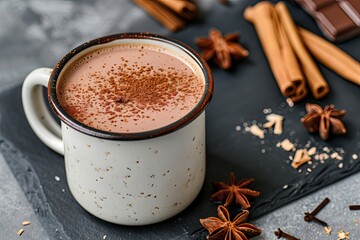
(236, 191)
(221, 49)
(324, 121)
(223, 228)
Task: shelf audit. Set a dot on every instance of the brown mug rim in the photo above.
(189, 117)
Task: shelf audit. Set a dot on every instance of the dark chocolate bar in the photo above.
(315, 5)
(338, 19)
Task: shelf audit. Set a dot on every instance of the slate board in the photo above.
(240, 96)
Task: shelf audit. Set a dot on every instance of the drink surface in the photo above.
(129, 88)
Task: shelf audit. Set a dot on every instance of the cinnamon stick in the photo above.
(184, 8)
(300, 92)
(332, 56)
(291, 63)
(163, 14)
(316, 82)
(261, 17)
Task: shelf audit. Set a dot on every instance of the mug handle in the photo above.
(37, 114)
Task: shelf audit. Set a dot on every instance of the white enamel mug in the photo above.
(124, 178)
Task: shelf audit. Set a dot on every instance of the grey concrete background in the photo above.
(35, 33)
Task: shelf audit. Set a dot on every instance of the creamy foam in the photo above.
(129, 88)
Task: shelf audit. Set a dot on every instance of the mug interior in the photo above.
(187, 55)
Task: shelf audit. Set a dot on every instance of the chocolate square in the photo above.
(315, 5)
(335, 21)
(352, 8)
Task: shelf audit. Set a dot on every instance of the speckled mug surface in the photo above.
(124, 178)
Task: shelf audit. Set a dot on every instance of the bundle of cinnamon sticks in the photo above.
(288, 48)
(173, 14)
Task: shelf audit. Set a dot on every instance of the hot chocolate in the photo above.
(129, 88)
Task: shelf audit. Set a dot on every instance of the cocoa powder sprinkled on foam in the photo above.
(129, 89)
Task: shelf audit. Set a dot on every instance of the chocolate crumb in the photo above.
(26, 223)
(287, 145)
(256, 131)
(327, 230)
(311, 151)
(301, 157)
(20, 232)
(276, 121)
(326, 149)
